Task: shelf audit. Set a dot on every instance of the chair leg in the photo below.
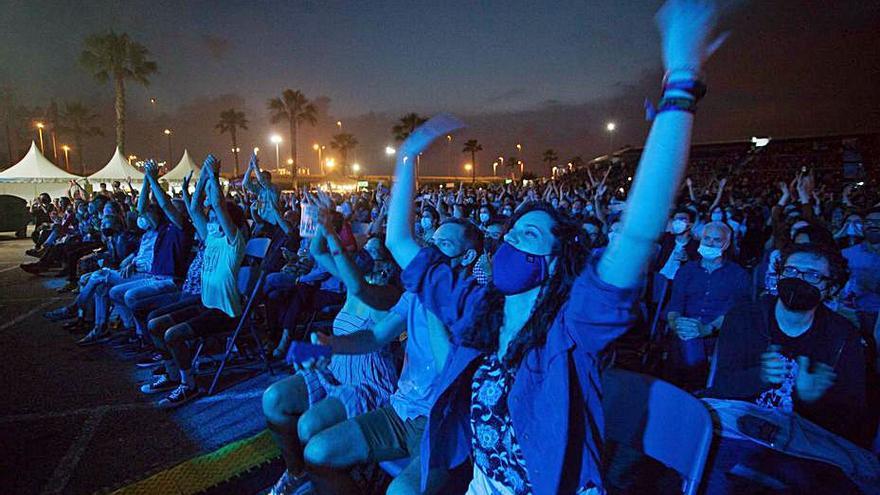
(230, 344)
(196, 356)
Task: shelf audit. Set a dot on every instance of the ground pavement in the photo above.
(72, 419)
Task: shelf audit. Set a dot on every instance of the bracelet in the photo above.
(669, 104)
(694, 87)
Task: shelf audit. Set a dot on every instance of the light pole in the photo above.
(494, 169)
(66, 148)
(40, 126)
(450, 159)
(521, 168)
(339, 125)
(276, 140)
(235, 151)
(318, 148)
(330, 163)
(611, 127)
(168, 133)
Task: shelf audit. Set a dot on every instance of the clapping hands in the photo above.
(151, 170)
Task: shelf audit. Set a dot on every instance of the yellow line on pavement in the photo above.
(200, 473)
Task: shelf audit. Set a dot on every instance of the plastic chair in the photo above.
(250, 282)
(659, 420)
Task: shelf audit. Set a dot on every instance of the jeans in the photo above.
(133, 300)
(97, 286)
(286, 300)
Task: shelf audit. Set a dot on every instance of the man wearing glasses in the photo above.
(793, 355)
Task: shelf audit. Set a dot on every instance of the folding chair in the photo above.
(250, 282)
(659, 420)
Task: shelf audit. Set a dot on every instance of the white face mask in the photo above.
(709, 252)
(427, 223)
(679, 226)
(484, 217)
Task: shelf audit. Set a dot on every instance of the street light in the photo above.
(40, 126)
(494, 169)
(318, 148)
(276, 140)
(521, 168)
(330, 163)
(611, 127)
(470, 168)
(168, 133)
(339, 124)
(356, 168)
(131, 158)
(390, 151)
(66, 148)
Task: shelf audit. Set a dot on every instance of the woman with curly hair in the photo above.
(520, 391)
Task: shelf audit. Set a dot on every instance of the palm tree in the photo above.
(294, 108)
(77, 120)
(472, 146)
(344, 143)
(117, 57)
(512, 162)
(407, 124)
(230, 121)
(549, 157)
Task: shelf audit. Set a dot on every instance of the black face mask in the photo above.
(798, 295)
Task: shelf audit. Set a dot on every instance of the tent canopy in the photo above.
(34, 167)
(119, 169)
(185, 165)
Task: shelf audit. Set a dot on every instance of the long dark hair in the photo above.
(572, 252)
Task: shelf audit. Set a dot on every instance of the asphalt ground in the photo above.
(73, 420)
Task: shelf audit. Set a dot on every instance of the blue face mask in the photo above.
(515, 271)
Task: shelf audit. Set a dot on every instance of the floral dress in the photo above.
(495, 449)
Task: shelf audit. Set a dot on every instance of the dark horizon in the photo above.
(547, 78)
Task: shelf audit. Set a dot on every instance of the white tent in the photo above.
(183, 167)
(119, 169)
(33, 175)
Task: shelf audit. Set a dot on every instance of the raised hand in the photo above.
(211, 166)
(186, 180)
(419, 140)
(812, 385)
(686, 28)
(254, 162)
(151, 169)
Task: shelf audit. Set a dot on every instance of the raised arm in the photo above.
(216, 199)
(381, 297)
(685, 27)
(144, 198)
(400, 240)
(194, 206)
(151, 175)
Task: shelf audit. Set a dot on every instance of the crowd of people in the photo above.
(471, 324)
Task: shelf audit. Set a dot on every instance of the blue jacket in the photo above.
(555, 401)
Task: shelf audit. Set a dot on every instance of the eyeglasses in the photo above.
(810, 276)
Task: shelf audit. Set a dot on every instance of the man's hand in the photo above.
(811, 386)
(773, 367)
(151, 169)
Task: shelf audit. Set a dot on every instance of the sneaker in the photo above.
(68, 287)
(150, 361)
(290, 485)
(180, 396)
(62, 313)
(96, 336)
(161, 384)
(35, 252)
(33, 268)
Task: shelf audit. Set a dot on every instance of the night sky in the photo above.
(548, 75)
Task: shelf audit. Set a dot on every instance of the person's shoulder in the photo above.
(854, 250)
(837, 325)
